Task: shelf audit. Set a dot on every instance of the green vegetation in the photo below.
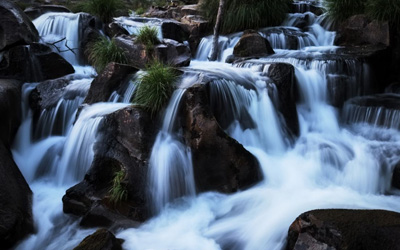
(118, 191)
(148, 36)
(104, 51)
(104, 9)
(251, 14)
(155, 87)
(342, 9)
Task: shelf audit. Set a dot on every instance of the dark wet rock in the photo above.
(15, 26)
(252, 44)
(102, 239)
(345, 229)
(36, 11)
(114, 29)
(197, 27)
(89, 28)
(282, 74)
(32, 63)
(396, 176)
(10, 110)
(360, 30)
(175, 31)
(124, 143)
(220, 163)
(190, 10)
(110, 79)
(168, 51)
(15, 202)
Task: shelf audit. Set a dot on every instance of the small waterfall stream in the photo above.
(331, 165)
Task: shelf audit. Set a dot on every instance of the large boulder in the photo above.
(252, 44)
(197, 27)
(110, 79)
(396, 176)
(89, 28)
(168, 51)
(174, 30)
(36, 11)
(124, 143)
(10, 110)
(345, 229)
(15, 26)
(32, 63)
(282, 75)
(360, 30)
(15, 202)
(220, 163)
(102, 239)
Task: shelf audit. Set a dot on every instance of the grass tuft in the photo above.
(252, 14)
(104, 9)
(148, 36)
(342, 9)
(155, 87)
(384, 10)
(104, 51)
(118, 191)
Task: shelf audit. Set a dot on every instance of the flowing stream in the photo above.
(333, 164)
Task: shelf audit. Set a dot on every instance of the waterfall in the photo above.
(134, 24)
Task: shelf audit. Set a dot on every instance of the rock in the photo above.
(10, 110)
(174, 30)
(124, 142)
(396, 176)
(360, 30)
(168, 51)
(15, 202)
(102, 239)
(252, 44)
(220, 163)
(36, 11)
(197, 27)
(89, 28)
(190, 10)
(15, 26)
(282, 75)
(345, 229)
(114, 29)
(33, 63)
(113, 76)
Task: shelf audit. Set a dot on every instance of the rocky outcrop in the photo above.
(15, 202)
(124, 143)
(89, 28)
(168, 51)
(220, 163)
(15, 26)
(252, 44)
(360, 30)
(102, 239)
(36, 11)
(32, 63)
(197, 27)
(111, 78)
(114, 29)
(345, 229)
(282, 75)
(175, 31)
(396, 176)
(10, 110)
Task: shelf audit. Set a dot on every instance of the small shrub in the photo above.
(252, 14)
(104, 51)
(118, 191)
(104, 9)
(155, 87)
(384, 10)
(148, 36)
(343, 9)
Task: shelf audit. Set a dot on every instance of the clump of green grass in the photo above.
(147, 35)
(155, 87)
(104, 9)
(104, 51)
(342, 9)
(252, 14)
(384, 10)
(118, 191)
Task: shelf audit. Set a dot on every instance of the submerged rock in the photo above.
(252, 44)
(102, 239)
(345, 229)
(15, 201)
(15, 26)
(220, 163)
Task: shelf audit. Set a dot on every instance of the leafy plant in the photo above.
(104, 9)
(384, 10)
(148, 36)
(104, 51)
(155, 87)
(343, 9)
(118, 191)
(251, 14)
